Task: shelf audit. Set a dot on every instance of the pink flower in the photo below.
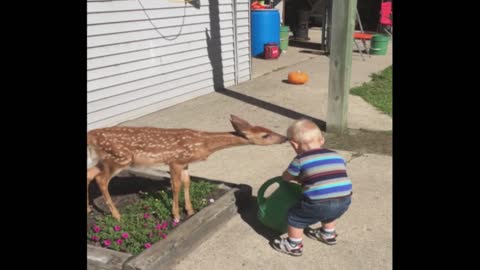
(148, 245)
(119, 241)
(164, 236)
(95, 238)
(146, 215)
(150, 235)
(116, 228)
(125, 235)
(164, 225)
(175, 223)
(95, 228)
(107, 243)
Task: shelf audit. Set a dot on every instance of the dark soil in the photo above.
(361, 141)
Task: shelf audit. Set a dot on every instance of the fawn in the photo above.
(113, 149)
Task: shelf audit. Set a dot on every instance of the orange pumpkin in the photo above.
(297, 77)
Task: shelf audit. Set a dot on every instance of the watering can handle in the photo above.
(263, 188)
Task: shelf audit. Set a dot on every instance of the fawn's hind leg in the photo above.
(103, 179)
(91, 173)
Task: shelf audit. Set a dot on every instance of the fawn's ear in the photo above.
(239, 124)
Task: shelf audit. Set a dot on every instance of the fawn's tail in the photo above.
(92, 157)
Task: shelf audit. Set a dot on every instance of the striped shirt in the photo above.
(322, 173)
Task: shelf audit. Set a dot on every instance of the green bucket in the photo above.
(284, 34)
(379, 44)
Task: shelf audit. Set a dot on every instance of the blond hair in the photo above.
(304, 131)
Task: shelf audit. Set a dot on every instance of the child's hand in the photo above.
(288, 177)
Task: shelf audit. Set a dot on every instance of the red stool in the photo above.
(362, 37)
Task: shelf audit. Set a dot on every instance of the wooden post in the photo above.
(342, 27)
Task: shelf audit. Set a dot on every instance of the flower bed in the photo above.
(146, 218)
(148, 238)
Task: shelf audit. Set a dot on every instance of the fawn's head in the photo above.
(256, 134)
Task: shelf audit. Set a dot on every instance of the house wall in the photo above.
(141, 59)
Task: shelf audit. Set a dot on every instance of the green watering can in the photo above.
(272, 211)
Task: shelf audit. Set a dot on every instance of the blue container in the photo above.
(265, 29)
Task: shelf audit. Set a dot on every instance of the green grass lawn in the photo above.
(378, 91)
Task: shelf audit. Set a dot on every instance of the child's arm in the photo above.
(293, 171)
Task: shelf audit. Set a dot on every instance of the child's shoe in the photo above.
(283, 245)
(322, 236)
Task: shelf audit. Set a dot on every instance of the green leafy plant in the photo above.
(146, 221)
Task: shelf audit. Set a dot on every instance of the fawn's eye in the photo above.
(266, 136)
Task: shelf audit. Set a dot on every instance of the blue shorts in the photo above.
(306, 212)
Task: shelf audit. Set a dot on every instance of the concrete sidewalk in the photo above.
(365, 231)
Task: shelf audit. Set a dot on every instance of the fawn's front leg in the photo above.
(186, 191)
(176, 175)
